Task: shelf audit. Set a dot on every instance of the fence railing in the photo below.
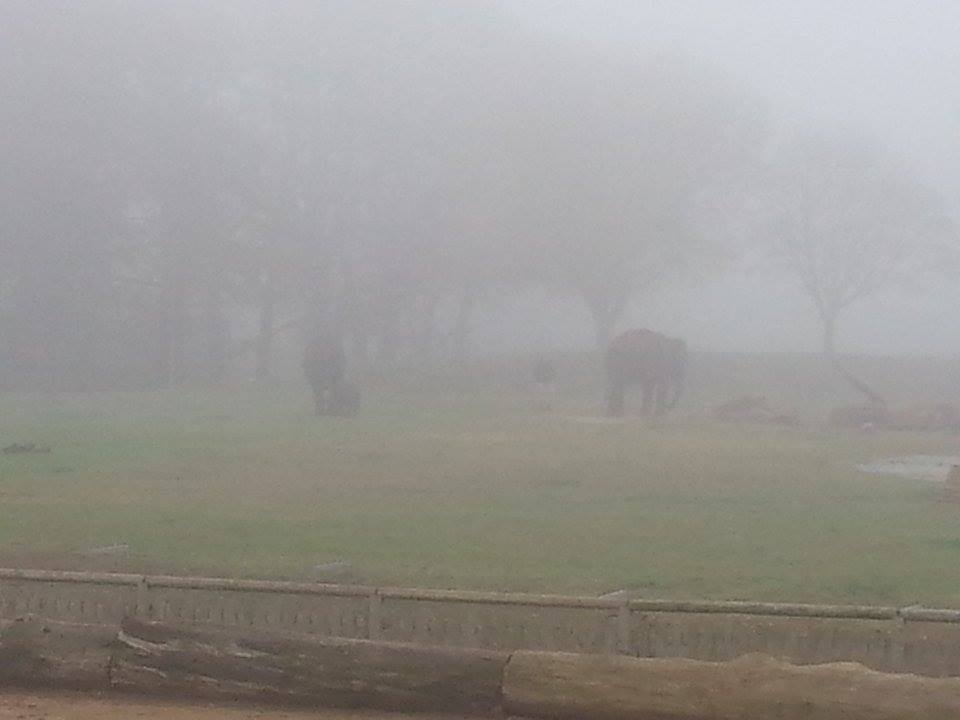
(913, 639)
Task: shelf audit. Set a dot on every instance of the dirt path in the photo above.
(67, 706)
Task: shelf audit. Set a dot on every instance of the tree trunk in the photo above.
(217, 335)
(829, 323)
(221, 664)
(174, 333)
(268, 301)
(461, 328)
(588, 687)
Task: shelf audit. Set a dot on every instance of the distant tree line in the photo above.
(383, 167)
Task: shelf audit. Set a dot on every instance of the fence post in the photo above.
(374, 603)
(620, 638)
(142, 608)
(623, 625)
(898, 646)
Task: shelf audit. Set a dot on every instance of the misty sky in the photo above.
(888, 68)
(420, 163)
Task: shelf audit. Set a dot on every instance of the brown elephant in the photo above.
(655, 362)
(324, 364)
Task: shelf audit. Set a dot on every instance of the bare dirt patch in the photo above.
(70, 706)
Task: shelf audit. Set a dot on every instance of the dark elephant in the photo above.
(655, 362)
(324, 364)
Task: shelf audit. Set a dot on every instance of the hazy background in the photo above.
(438, 196)
(191, 188)
(887, 69)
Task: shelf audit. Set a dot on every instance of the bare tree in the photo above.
(849, 223)
(614, 157)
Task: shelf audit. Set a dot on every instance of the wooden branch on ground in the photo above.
(333, 672)
(604, 687)
(34, 653)
(229, 664)
(872, 395)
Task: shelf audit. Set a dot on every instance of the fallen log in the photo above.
(34, 653)
(598, 687)
(231, 665)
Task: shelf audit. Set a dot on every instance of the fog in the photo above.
(192, 189)
(615, 301)
(885, 70)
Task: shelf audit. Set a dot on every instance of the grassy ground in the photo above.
(473, 491)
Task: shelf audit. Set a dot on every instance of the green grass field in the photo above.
(472, 491)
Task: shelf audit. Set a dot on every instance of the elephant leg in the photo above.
(615, 400)
(660, 399)
(320, 399)
(648, 391)
(676, 391)
(337, 397)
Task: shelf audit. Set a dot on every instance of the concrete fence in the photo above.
(916, 640)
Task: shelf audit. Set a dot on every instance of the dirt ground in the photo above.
(18, 705)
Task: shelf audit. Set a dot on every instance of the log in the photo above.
(597, 687)
(34, 653)
(227, 664)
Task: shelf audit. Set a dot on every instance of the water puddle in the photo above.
(930, 468)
